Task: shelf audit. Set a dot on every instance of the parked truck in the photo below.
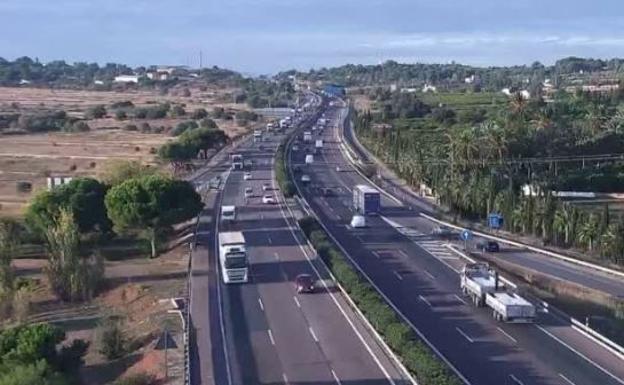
(366, 200)
(318, 143)
(233, 257)
(483, 286)
(307, 136)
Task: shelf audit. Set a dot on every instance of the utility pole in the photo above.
(200, 59)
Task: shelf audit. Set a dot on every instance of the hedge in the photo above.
(281, 174)
(400, 337)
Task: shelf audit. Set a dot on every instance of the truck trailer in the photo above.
(233, 257)
(510, 307)
(366, 200)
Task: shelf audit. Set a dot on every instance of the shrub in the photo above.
(199, 113)
(121, 115)
(111, 339)
(177, 111)
(96, 112)
(24, 187)
(130, 127)
(136, 379)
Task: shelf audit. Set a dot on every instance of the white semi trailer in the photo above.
(233, 257)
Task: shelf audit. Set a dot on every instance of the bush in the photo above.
(24, 187)
(282, 175)
(416, 356)
(199, 113)
(136, 379)
(77, 126)
(130, 127)
(177, 111)
(111, 339)
(122, 104)
(121, 115)
(96, 112)
(208, 123)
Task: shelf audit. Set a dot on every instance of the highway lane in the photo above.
(404, 271)
(274, 335)
(556, 268)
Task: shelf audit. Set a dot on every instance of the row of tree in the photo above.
(511, 162)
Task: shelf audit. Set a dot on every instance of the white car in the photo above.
(268, 199)
(266, 187)
(247, 176)
(295, 148)
(305, 178)
(358, 221)
(248, 192)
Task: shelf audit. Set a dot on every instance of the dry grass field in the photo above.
(34, 157)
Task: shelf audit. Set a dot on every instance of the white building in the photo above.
(157, 75)
(98, 82)
(470, 79)
(127, 79)
(506, 91)
(429, 88)
(525, 94)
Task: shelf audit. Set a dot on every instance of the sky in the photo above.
(267, 36)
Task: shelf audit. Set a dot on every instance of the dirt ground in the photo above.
(139, 292)
(35, 157)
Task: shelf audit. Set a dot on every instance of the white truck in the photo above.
(257, 135)
(510, 307)
(318, 143)
(307, 136)
(237, 162)
(228, 213)
(483, 286)
(233, 257)
(309, 159)
(477, 279)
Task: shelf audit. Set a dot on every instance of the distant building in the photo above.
(24, 82)
(429, 88)
(127, 79)
(470, 79)
(98, 82)
(594, 88)
(393, 87)
(157, 75)
(525, 94)
(58, 181)
(506, 91)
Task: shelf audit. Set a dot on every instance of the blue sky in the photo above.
(265, 36)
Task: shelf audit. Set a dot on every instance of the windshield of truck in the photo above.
(235, 261)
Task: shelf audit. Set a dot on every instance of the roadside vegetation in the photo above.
(415, 355)
(281, 173)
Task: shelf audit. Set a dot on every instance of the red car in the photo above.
(304, 283)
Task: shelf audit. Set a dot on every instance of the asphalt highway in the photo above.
(269, 334)
(418, 276)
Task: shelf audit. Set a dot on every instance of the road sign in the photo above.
(465, 235)
(495, 221)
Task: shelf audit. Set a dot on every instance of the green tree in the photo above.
(71, 276)
(152, 203)
(112, 341)
(83, 197)
(118, 171)
(589, 231)
(96, 112)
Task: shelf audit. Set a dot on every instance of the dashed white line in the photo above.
(579, 353)
(285, 378)
(276, 256)
(313, 335)
(376, 254)
(429, 274)
(336, 377)
(460, 299)
(515, 379)
(425, 300)
(396, 273)
(270, 240)
(506, 334)
(271, 337)
(566, 379)
(466, 336)
(297, 302)
(261, 304)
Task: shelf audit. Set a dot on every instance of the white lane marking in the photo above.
(336, 377)
(396, 273)
(313, 334)
(566, 379)
(261, 304)
(506, 334)
(271, 337)
(429, 274)
(403, 253)
(425, 300)
(460, 299)
(376, 254)
(464, 334)
(276, 256)
(297, 302)
(579, 353)
(285, 378)
(515, 379)
(270, 240)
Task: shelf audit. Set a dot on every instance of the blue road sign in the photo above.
(495, 221)
(465, 235)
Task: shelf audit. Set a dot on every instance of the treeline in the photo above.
(452, 75)
(261, 93)
(509, 161)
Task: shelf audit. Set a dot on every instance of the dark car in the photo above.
(489, 246)
(304, 283)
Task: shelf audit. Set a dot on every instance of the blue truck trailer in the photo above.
(366, 200)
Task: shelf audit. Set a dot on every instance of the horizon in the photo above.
(277, 35)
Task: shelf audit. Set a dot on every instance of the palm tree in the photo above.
(608, 242)
(589, 231)
(518, 104)
(562, 223)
